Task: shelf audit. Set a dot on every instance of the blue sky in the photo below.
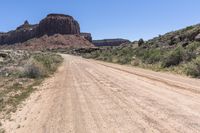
(131, 19)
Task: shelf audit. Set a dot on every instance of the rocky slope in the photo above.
(110, 42)
(87, 36)
(56, 41)
(177, 51)
(21, 34)
(181, 37)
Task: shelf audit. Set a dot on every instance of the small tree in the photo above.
(140, 42)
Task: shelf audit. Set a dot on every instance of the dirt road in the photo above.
(87, 96)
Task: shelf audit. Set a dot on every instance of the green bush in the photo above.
(173, 58)
(152, 56)
(193, 46)
(188, 28)
(193, 68)
(91, 55)
(124, 60)
(140, 42)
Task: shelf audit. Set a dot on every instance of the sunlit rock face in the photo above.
(52, 24)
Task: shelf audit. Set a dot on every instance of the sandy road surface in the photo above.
(87, 96)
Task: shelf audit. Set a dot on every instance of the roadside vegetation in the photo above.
(177, 51)
(41, 65)
(20, 74)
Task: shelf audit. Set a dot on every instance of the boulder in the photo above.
(4, 55)
(197, 38)
(176, 39)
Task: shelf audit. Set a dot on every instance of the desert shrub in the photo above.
(189, 28)
(87, 55)
(41, 65)
(135, 62)
(152, 56)
(34, 70)
(140, 42)
(48, 60)
(91, 55)
(193, 46)
(189, 52)
(193, 68)
(139, 52)
(188, 55)
(173, 58)
(149, 56)
(124, 60)
(124, 55)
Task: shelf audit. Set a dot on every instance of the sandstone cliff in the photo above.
(52, 24)
(58, 24)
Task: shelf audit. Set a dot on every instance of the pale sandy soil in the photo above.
(87, 96)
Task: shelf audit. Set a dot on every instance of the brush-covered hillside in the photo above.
(177, 51)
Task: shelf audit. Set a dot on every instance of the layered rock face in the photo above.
(110, 42)
(52, 24)
(58, 23)
(21, 34)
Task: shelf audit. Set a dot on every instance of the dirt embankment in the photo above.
(56, 41)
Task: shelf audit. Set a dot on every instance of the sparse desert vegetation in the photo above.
(177, 51)
(114, 94)
(193, 68)
(20, 72)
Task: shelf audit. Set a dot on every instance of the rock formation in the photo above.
(58, 23)
(56, 41)
(197, 38)
(21, 34)
(52, 24)
(87, 36)
(181, 37)
(110, 42)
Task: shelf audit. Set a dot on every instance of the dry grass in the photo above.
(30, 72)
